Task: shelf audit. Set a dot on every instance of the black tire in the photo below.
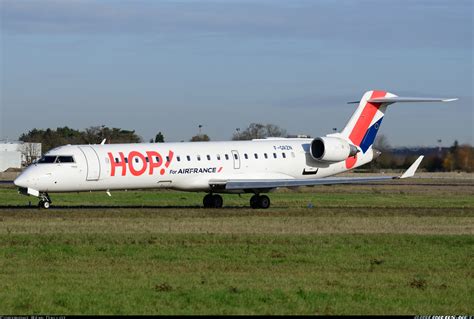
(217, 201)
(254, 201)
(207, 201)
(44, 204)
(264, 201)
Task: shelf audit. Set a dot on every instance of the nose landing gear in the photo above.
(44, 204)
(45, 201)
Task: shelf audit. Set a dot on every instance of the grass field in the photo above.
(402, 248)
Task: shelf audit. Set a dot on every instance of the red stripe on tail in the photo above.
(365, 118)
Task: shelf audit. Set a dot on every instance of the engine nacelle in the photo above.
(331, 149)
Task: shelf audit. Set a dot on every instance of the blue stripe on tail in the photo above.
(370, 135)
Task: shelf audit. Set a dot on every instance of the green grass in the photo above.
(384, 196)
(388, 249)
(227, 274)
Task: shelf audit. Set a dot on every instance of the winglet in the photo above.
(103, 141)
(412, 169)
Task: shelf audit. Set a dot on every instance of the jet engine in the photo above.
(331, 149)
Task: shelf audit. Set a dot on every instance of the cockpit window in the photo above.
(65, 159)
(47, 160)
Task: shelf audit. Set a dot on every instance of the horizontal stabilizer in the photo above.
(395, 99)
(410, 99)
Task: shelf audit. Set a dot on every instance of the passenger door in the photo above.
(93, 163)
(236, 159)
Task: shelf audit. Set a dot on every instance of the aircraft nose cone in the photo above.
(21, 181)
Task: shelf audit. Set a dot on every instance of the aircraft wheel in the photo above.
(44, 204)
(217, 201)
(207, 201)
(254, 201)
(264, 201)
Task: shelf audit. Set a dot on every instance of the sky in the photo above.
(170, 66)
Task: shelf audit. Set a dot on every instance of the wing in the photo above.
(240, 184)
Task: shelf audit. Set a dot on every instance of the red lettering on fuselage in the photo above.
(155, 160)
(169, 158)
(168, 161)
(151, 161)
(120, 164)
(132, 169)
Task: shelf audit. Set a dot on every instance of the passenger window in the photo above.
(256, 155)
(126, 160)
(167, 158)
(188, 157)
(226, 156)
(199, 157)
(235, 156)
(157, 159)
(266, 156)
(283, 154)
(246, 156)
(147, 159)
(208, 157)
(274, 155)
(218, 157)
(136, 159)
(178, 158)
(116, 160)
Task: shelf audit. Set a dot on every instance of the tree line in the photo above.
(437, 159)
(51, 138)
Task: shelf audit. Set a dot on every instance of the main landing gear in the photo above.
(212, 201)
(45, 201)
(259, 201)
(256, 201)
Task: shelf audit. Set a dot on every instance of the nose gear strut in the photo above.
(45, 201)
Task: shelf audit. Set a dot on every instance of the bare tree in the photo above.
(386, 159)
(381, 143)
(258, 131)
(30, 152)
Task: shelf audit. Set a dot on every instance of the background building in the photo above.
(16, 154)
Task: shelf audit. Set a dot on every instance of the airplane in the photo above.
(257, 166)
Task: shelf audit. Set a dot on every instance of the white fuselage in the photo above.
(182, 166)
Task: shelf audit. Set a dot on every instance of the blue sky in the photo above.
(172, 65)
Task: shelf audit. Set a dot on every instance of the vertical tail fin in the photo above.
(365, 122)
